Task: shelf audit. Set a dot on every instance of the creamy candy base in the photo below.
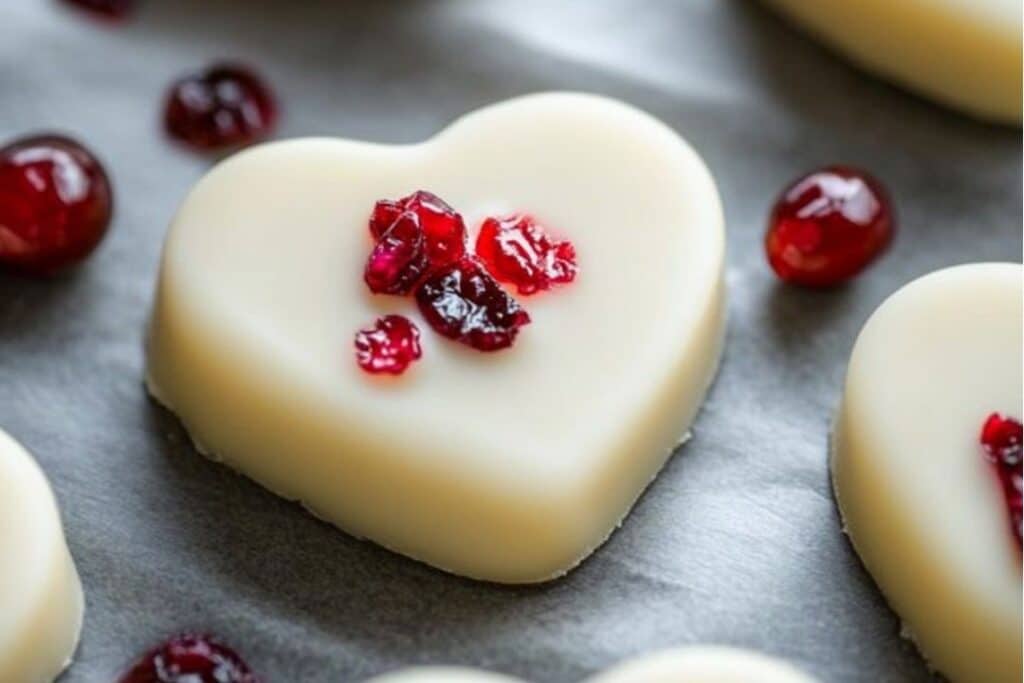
(41, 600)
(921, 505)
(510, 466)
(963, 53)
(681, 665)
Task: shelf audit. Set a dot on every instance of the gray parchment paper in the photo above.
(736, 542)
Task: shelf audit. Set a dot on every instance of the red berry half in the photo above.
(444, 231)
(190, 658)
(389, 346)
(827, 226)
(1002, 438)
(463, 302)
(399, 260)
(107, 9)
(55, 204)
(223, 106)
(518, 250)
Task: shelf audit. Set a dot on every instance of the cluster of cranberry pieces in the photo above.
(420, 249)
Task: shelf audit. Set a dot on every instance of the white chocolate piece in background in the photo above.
(679, 665)
(509, 466)
(921, 505)
(963, 53)
(41, 603)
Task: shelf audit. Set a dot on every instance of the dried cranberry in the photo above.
(190, 658)
(55, 204)
(223, 106)
(107, 9)
(443, 227)
(1002, 438)
(399, 260)
(389, 346)
(463, 302)
(827, 226)
(518, 250)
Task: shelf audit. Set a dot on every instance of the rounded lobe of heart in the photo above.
(41, 603)
(962, 53)
(920, 501)
(509, 466)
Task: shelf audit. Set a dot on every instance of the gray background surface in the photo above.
(737, 541)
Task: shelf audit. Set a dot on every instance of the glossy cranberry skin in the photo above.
(518, 250)
(390, 346)
(1002, 438)
(399, 260)
(222, 107)
(55, 204)
(827, 226)
(106, 9)
(190, 658)
(444, 230)
(463, 302)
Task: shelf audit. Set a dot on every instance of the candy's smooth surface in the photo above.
(509, 466)
(681, 665)
(41, 602)
(963, 53)
(921, 503)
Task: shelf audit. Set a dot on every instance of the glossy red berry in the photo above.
(463, 302)
(55, 204)
(1002, 438)
(223, 106)
(827, 226)
(390, 346)
(399, 260)
(518, 250)
(444, 231)
(107, 9)
(190, 658)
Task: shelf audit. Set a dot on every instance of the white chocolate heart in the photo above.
(922, 506)
(41, 602)
(680, 665)
(509, 466)
(963, 53)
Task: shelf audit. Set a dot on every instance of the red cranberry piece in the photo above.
(442, 226)
(223, 106)
(1002, 438)
(463, 302)
(107, 9)
(389, 346)
(190, 658)
(518, 250)
(828, 226)
(399, 260)
(55, 204)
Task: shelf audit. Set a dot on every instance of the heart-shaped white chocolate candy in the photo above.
(923, 507)
(681, 665)
(512, 465)
(963, 53)
(41, 601)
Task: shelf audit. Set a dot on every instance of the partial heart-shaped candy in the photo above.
(681, 665)
(924, 493)
(512, 465)
(41, 601)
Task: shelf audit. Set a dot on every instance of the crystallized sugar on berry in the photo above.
(190, 658)
(518, 250)
(1002, 438)
(463, 302)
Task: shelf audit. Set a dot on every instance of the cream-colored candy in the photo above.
(921, 505)
(509, 466)
(963, 53)
(681, 665)
(41, 601)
